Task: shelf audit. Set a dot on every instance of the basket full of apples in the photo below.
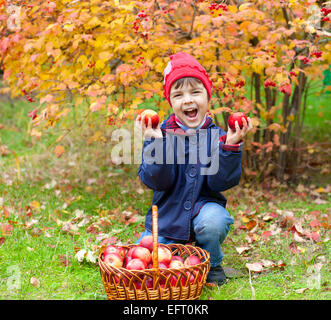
(153, 271)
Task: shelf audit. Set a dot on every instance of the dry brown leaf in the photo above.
(59, 150)
(302, 290)
(254, 267)
(242, 249)
(35, 282)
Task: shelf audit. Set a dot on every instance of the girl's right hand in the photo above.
(148, 131)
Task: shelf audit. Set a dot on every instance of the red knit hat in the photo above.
(182, 65)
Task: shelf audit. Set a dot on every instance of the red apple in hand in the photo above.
(191, 261)
(150, 114)
(136, 264)
(143, 254)
(147, 242)
(114, 259)
(237, 116)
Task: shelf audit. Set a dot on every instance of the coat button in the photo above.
(193, 172)
(187, 205)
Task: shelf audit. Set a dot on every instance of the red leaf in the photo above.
(108, 241)
(92, 229)
(314, 236)
(6, 229)
(266, 234)
(2, 240)
(314, 223)
(293, 247)
(64, 259)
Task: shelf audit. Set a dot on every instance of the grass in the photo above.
(52, 191)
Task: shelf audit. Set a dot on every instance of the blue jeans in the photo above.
(210, 227)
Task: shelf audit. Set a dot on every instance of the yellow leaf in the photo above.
(59, 150)
(99, 64)
(291, 117)
(105, 55)
(69, 27)
(35, 205)
(244, 219)
(226, 54)
(244, 6)
(60, 138)
(93, 22)
(258, 65)
(233, 9)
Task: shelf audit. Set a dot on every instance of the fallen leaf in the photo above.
(242, 249)
(80, 255)
(267, 263)
(35, 282)
(314, 223)
(91, 257)
(59, 150)
(251, 224)
(269, 217)
(64, 259)
(6, 229)
(320, 201)
(255, 267)
(302, 290)
(266, 234)
(293, 247)
(297, 238)
(314, 236)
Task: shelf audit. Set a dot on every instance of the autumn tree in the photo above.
(261, 57)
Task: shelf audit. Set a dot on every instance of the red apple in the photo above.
(117, 249)
(127, 260)
(150, 114)
(147, 242)
(129, 253)
(164, 255)
(176, 264)
(237, 116)
(178, 258)
(149, 282)
(142, 254)
(136, 264)
(174, 279)
(190, 276)
(191, 261)
(163, 265)
(114, 259)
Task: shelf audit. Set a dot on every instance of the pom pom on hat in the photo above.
(182, 65)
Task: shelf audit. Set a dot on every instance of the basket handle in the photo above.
(155, 237)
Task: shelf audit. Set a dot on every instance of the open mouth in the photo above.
(191, 113)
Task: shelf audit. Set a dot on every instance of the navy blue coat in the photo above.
(180, 189)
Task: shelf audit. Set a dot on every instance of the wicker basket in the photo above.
(157, 283)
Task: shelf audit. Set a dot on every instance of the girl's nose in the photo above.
(188, 98)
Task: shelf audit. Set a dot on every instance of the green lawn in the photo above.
(39, 235)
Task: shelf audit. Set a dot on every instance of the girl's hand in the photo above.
(148, 131)
(235, 136)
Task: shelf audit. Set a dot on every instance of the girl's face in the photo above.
(190, 103)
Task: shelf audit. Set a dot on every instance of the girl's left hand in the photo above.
(235, 136)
